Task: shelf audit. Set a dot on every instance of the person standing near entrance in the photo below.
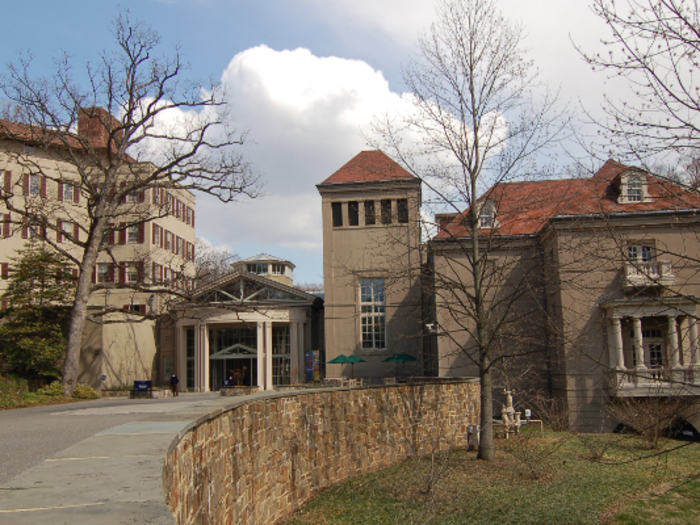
(173, 384)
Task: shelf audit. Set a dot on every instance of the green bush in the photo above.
(84, 392)
(55, 389)
(12, 391)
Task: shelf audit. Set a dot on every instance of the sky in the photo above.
(304, 77)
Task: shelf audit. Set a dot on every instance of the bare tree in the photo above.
(655, 46)
(483, 119)
(211, 262)
(169, 134)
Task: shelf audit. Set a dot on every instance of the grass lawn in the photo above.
(532, 481)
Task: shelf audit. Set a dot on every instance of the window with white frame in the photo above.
(68, 192)
(278, 269)
(487, 215)
(103, 273)
(132, 272)
(373, 314)
(132, 234)
(634, 188)
(640, 253)
(281, 355)
(34, 185)
(257, 268)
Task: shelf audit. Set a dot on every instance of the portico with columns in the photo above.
(652, 341)
(245, 330)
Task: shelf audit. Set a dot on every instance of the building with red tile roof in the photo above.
(598, 278)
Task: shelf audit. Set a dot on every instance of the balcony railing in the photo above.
(654, 382)
(648, 273)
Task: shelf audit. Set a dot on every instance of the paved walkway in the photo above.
(112, 477)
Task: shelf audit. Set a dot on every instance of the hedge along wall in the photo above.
(256, 462)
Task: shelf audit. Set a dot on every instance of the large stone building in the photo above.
(148, 251)
(592, 283)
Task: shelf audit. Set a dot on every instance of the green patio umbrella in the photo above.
(344, 359)
(400, 358)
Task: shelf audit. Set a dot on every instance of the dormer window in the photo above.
(633, 189)
(487, 215)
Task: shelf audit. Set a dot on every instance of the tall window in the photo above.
(132, 272)
(103, 273)
(337, 209)
(370, 217)
(281, 355)
(68, 192)
(386, 211)
(402, 210)
(353, 213)
(133, 234)
(34, 185)
(372, 314)
(278, 269)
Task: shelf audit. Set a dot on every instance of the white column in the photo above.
(296, 358)
(617, 356)
(695, 355)
(638, 344)
(181, 367)
(205, 357)
(268, 356)
(674, 357)
(261, 355)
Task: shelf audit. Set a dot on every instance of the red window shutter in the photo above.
(154, 272)
(127, 307)
(76, 231)
(42, 231)
(5, 270)
(74, 272)
(122, 273)
(142, 233)
(94, 275)
(110, 275)
(121, 187)
(139, 269)
(6, 225)
(43, 187)
(122, 233)
(142, 196)
(60, 191)
(142, 309)
(4, 304)
(25, 183)
(162, 196)
(162, 235)
(153, 233)
(8, 182)
(76, 193)
(193, 218)
(25, 232)
(59, 227)
(110, 234)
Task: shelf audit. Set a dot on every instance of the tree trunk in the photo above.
(79, 311)
(486, 450)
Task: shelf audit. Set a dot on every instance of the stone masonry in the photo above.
(256, 462)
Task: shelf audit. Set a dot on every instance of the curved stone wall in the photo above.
(256, 462)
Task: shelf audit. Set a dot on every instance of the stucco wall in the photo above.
(256, 462)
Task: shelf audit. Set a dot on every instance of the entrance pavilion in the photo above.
(245, 330)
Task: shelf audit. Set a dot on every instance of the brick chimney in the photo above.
(95, 124)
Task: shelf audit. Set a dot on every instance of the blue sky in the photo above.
(304, 76)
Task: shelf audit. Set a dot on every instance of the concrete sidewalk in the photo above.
(113, 477)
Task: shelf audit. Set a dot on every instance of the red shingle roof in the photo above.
(369, 166)
(524, 208)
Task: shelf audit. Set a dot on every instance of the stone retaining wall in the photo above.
(256, 462)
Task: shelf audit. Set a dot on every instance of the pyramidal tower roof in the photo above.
(369, 166)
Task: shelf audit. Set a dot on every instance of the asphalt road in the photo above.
(30, 435)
